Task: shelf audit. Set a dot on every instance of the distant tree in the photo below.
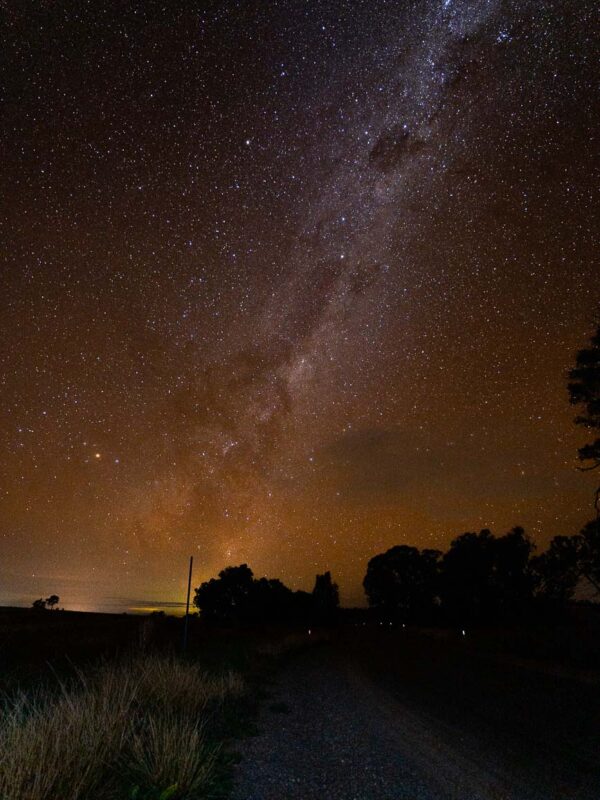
(52, 601)
(39, 605)
(556, 572)
(512, 578)
(302, 607)
(584, 391)
(466, 576)
(484, 578)
(589, 553)
(402, 582)
(270, 601)
(568, 559)
(325, 597)
(226, 599)
(236, 597)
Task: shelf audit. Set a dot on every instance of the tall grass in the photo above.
(142, 723)
(182, 686)
(171, 750)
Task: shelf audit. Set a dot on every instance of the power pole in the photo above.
(187, 608)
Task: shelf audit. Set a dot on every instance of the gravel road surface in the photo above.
(330, 732)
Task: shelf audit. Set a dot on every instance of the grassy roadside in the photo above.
(139, 729)
(149, 726)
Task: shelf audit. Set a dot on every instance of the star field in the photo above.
(288, 283)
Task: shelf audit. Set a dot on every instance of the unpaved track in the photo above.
(329, 732)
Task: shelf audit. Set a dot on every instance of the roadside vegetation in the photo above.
(149, 728)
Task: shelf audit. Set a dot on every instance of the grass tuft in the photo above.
(171, 751)
(132, 729)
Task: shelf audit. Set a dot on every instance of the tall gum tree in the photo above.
(584, 391)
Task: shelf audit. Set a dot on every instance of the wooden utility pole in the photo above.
(187, 608)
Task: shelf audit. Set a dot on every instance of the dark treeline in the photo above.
(481, 579)
(236, 597)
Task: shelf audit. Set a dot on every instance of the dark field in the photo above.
(31, 642)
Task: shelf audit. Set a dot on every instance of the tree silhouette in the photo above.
(52, 601)
(512, 578)
(270, 601)
(402, 582)
(589, 553)
(325, 599)
(584, 391)
(484, 578)
(556, 572)
(226, 599)
(567, 560)
(39, 605)
(236, 597)
(466, 577)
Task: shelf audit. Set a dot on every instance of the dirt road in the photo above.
(331, 731)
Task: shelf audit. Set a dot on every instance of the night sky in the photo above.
(288, 283)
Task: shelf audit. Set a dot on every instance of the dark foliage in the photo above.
(481, 579)
(325, 600)
(226, 599)
(484, 578)
(556, 572)
(584, 391)
(589, 553)
(402, 583)
(237, 598)
(47, 603)
(568, 561)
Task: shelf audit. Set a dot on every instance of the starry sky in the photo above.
(288, 283)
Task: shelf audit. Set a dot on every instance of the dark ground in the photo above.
(32, 641)
(39, 645)
(389, 715)
(374, 713)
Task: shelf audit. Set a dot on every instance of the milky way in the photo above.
(287, 284)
